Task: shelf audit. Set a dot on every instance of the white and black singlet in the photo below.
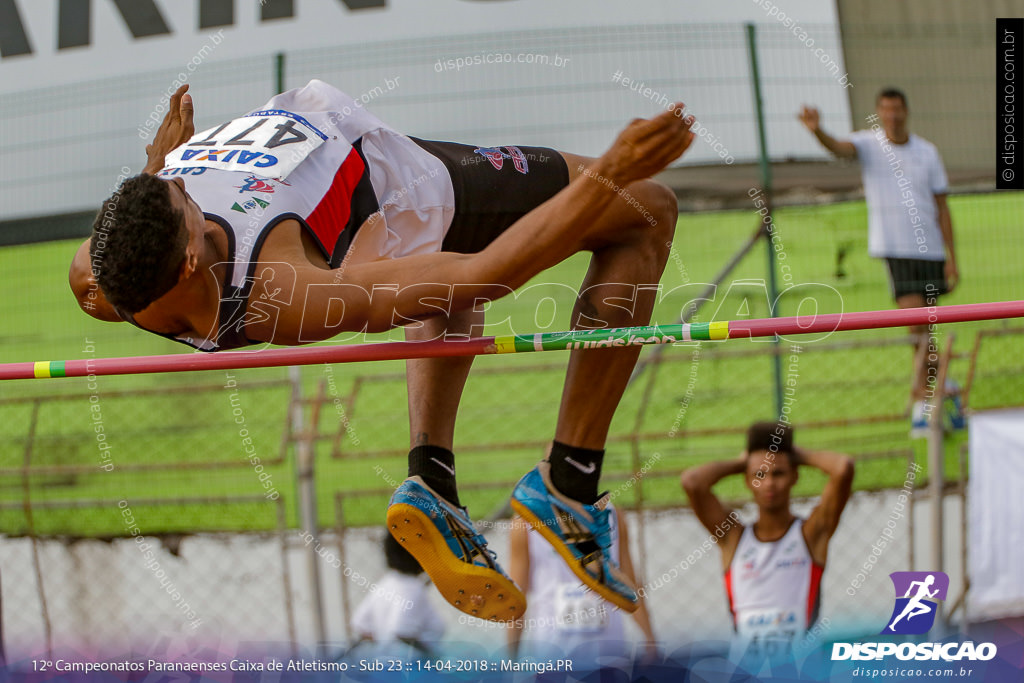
(316, 156)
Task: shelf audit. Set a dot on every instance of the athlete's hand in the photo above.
(810, 117)
(176, 129)
(647, 146)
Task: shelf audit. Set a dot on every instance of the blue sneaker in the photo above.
(919, 420)
(455, 557)
(579, 533)
(954, 409)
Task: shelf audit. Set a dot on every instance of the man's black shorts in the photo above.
(916, 276)
(495, 187)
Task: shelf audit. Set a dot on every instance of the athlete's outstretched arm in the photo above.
(698, 481)
(380, 295)
(824, 519)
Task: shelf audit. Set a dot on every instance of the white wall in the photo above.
(328, 23)
(103, 600)
(70, 119)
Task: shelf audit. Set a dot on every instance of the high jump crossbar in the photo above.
(519, 343)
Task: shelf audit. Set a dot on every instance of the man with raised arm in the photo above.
(909, 224)
(772, 568)
(310, 217)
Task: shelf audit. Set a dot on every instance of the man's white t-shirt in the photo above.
(900, 182)
(398, 608)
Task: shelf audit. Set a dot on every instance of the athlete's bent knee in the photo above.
(663, 205)
(665, 211)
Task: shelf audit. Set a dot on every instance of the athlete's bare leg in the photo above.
(435, 384)
(630, 244)
(629, 249)
(630, 241)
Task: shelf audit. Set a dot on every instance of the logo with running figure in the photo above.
(917, 598)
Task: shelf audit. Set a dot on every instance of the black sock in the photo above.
(576, 471)
(436, 465)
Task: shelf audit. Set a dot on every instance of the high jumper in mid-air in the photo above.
(310, 217)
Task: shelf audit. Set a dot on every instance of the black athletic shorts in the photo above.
(495, 187)
(916, 276)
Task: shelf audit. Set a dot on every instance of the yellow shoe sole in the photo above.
(577, 569)
(478, 591)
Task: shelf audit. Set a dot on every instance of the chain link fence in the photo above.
(205, 467)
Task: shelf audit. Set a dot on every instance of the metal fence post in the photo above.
(766, 185)
(306, 493)
(279, 73)
(29, 518)
(936, 469)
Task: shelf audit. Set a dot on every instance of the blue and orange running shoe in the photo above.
(579, 533)
(452, 553)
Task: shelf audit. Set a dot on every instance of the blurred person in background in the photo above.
(561, 609)
(397, 617)
(909, 225)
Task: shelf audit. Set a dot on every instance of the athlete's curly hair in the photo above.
(138, 244)
(776, 437)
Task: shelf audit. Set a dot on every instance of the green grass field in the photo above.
(179, 460)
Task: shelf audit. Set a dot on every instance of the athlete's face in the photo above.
(194, 222)
(770, 477)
